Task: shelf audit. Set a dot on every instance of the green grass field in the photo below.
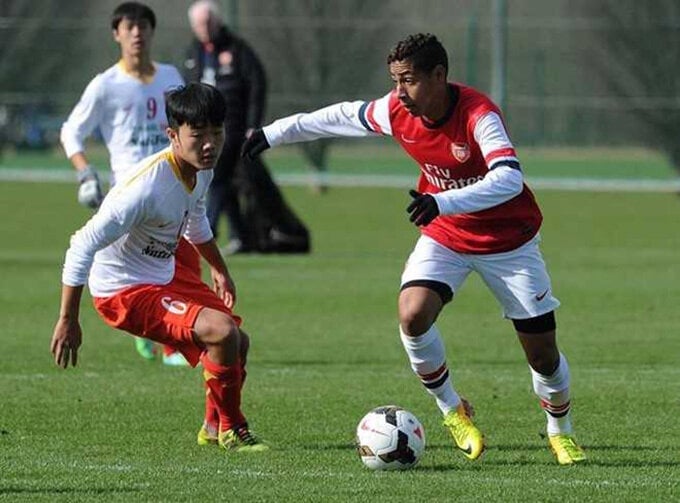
(383, 157)
(325, 350)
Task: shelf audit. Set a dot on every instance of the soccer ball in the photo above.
(390, 438)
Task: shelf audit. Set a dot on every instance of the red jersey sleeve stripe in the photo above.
(502, 152)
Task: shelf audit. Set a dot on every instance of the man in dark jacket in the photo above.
(220, 58)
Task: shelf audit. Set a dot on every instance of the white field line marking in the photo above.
(387, 181)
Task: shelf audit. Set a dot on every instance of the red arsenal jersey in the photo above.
(456, 153)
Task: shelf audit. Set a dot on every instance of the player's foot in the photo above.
(465, 434)
(145, 348)
(241, 439)
(566, 450)
(175, 359)
(206, 435)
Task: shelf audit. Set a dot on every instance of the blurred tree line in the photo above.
(579, 73)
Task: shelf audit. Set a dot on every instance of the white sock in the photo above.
(553, 391)
(428, 360)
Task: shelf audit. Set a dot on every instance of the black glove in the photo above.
(423, 208)
(254, 145)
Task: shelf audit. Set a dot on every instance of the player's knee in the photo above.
(221, 330)
(419, 307)
(538, 340)
(414, 321)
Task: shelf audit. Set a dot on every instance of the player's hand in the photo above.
(224, 287)
(423, 209)
(254, 145)
(66, 340)
(90, 192)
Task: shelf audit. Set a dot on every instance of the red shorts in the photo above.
(163, 313)
(187, 257)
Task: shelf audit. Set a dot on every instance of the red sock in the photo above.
(224, 383)
(212, 414)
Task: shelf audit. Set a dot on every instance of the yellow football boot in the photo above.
(465, 434)
(241, 439)
(566, 450)
(206, 435)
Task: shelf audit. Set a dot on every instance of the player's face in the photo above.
(198, 146)
(134, 36)
(419, 92)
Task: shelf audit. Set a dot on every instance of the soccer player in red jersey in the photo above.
(126, 253)
(475, 214)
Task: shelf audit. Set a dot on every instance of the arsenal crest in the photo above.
(461, 151)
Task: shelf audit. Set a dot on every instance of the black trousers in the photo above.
(223, 194)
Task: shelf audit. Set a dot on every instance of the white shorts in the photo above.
(518, 278)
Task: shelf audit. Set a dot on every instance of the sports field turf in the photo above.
(325, 350)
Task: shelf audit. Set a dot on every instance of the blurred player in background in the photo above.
(127, 251)
(218, 57)
(475, 214)
(126, 104)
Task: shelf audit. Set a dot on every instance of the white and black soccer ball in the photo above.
(390, 438)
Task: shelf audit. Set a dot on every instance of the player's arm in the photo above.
(223, 284)
(198, 233)
(67, 334)
(82, 120)
(112, 221)
(347, 119)
(503, 181)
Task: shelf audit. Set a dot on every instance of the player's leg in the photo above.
(551, 382)
(520, 281)
(223, 196)
(427, 282)
(223, 373)
(209, 430)
(187, 268)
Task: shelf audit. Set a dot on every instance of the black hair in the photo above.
(134, 11)
(195, 104)
(421, 49)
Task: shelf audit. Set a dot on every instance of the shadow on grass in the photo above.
(67, 490)
(488, 457)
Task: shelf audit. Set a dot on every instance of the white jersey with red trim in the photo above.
(466, 161)
(129, 113)
(132, 238)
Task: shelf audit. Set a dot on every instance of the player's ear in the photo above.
(439, 73)
(173, 136)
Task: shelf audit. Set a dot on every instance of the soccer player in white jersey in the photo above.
(127, 248)
(475, 214)
(126, 103)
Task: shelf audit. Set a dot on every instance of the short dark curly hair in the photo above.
(421, 49)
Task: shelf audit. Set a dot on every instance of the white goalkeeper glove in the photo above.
(90, 190)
